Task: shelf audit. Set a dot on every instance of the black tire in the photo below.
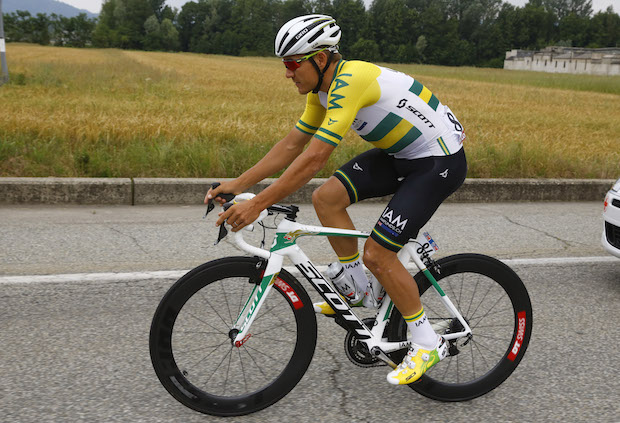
(495, 304)
(192, 352)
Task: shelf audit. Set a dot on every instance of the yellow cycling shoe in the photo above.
(417, 362)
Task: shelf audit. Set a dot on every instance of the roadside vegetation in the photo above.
(122, 113)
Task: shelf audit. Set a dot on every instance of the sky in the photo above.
(95, 5)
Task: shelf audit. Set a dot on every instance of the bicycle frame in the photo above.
(285, 245)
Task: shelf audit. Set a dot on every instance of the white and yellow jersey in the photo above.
(389, 109)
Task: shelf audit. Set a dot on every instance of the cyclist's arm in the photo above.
(303, 168)
(279, 157)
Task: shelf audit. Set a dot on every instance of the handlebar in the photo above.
(290, 211)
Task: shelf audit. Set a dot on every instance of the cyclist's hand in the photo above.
(239, 215)
(225, 188)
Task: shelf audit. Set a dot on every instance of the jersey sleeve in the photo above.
(354, 87)
(312, 117)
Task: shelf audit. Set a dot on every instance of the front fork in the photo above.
(239, 333)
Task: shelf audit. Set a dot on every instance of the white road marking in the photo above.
(176, 274)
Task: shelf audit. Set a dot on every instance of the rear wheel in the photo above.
(495, 304)
(191, 339)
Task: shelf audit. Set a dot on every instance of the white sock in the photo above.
(422, 332)
(355, 269)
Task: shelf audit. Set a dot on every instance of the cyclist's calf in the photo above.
(394, 277)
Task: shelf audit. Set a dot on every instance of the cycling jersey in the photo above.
(389, 109)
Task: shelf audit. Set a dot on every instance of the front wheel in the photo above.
(191, 339)
(495, 304)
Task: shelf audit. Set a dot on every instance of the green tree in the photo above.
(365, 49)
(153, 37)
(605, 29)
(393, 25)
(574, 28)
(253, 24)
(353, 21)
(40, 29)
(106, 33)
(563, 8)
(189, 23)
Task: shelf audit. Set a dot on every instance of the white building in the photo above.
(594, 61)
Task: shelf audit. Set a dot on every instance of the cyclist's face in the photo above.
(304, 77)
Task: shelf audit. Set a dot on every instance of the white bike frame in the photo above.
(285, 245)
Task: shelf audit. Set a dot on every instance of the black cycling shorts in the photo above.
(419, 187)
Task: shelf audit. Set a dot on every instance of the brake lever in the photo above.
(210, 203)
(223, 231)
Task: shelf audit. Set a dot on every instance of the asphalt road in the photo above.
(75, 348)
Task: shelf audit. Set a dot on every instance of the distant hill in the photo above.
(44, 6)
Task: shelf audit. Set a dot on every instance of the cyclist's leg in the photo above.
(394, 277)
(428, 182)
(330, 202)
(368, 175)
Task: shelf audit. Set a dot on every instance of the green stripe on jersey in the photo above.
(443, 146)
(305, 125)
(413, 134)
(303, 130)
(330, 142)
(417, 87)
(433, 102)
(383, 128)
(331, 134)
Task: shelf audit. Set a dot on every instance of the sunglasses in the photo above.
(294, 64)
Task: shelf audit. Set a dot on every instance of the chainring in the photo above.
(356, 350)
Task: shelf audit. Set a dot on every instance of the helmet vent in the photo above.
(315, 36)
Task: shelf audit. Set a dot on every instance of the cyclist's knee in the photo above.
(332, 195)
(377, 258)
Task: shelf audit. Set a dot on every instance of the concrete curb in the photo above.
(144, 191)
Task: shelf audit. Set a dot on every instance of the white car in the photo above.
(611, 217)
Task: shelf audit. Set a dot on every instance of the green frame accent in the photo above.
(280, 241)
(433, 281)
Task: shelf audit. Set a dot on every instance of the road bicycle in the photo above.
(236, 334)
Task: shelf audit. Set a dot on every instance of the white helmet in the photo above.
(306, 34)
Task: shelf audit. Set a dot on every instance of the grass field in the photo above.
(87, 112)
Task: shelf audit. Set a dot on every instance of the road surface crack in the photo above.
(565, 243)
(130, 237)
(335, 375)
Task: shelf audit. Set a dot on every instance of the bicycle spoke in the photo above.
(473, 295)
(206, 323)
(216, 367)
(245, 381)
(473, 363)
(254, 361)
(226, 301)
(227, 373)
(486, 347)
(215, 310)
(489, 310)
(206, 356)
(263, 353)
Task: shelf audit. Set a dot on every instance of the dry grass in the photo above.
(87, 112)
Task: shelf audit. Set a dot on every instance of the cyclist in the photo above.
(417, 157)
